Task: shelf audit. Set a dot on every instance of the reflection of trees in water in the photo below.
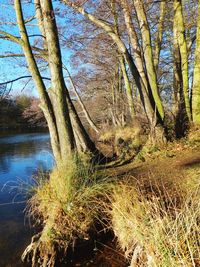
(23, 149)
(10, 153)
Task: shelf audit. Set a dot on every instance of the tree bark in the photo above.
(196, 77)
(181, 40)
(65, 132)
(159, 34)
(148, 54)
(128, 88)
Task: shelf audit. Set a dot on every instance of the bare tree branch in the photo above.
(22, 77)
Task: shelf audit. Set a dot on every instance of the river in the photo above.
(21, 157)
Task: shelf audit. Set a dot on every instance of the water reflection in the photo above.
(21, 156)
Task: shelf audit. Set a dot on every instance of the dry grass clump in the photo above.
(155, 227)
(67, 204)
(127, 133)
(126, 140)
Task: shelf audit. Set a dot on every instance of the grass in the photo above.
(67, 204)
(156, 225)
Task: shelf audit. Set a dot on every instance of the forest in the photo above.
(118, 87)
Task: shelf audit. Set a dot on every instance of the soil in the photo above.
(103, 254)
(175, 160)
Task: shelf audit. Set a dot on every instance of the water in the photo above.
(21, 156)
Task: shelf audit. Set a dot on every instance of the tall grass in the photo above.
(66, 204)
(157, 226)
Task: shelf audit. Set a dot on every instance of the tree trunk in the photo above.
(134, 42)
(128, 88)
(159, 34)
(181, 118)
(181, 40)
(84, 139)
(65, 132)
(148, 54)
(40, 19)
(196, 77)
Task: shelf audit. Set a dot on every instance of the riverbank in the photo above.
(169, 173)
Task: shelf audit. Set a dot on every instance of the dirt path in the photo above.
(177, 162)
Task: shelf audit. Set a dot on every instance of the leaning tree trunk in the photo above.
(86, 113)
(123, 66)
(83, 140)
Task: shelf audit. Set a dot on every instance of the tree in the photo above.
(196, 77)
(181, 81)
(55, 102)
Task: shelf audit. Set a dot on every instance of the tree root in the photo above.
(39, 253)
